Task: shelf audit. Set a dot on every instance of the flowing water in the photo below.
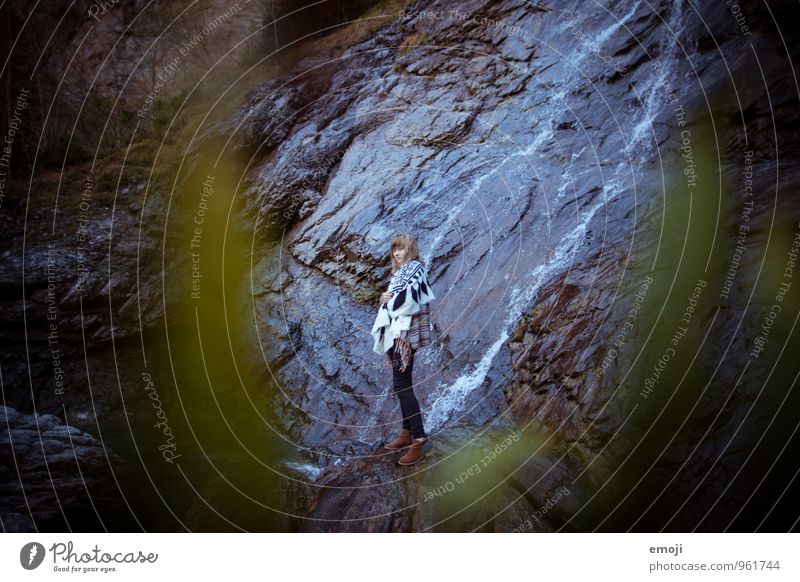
(449, 399)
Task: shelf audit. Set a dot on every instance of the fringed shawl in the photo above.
(404, 320)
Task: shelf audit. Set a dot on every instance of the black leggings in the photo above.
(404, 390)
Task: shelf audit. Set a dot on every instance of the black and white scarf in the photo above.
(410, 290)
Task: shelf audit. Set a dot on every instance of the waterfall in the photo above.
(442, 230)
(610, 30)
(448, 399)
(670, 52)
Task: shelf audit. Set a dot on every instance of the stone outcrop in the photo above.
(56, 477)
(539, 153)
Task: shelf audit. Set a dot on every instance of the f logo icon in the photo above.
(31, 555)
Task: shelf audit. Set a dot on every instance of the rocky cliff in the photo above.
(577, 180)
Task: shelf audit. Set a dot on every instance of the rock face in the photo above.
(552, 163)
(531, 155)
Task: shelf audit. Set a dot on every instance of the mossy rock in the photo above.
(366, 295)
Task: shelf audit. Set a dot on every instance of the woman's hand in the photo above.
(386, 296)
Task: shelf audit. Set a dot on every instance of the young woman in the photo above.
(401, 327)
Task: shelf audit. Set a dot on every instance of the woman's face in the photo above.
(399, 254)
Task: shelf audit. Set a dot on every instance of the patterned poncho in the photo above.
(404, 320)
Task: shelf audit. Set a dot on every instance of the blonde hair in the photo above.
(404, 241)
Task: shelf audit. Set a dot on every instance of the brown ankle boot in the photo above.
(419, 448)
(401, 442)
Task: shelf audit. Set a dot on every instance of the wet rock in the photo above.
(490, 480)
(530, 167)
